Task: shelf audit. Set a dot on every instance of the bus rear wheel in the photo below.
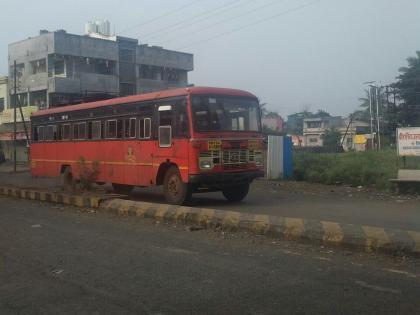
(122, 189)
(236, 193)
(175, 190)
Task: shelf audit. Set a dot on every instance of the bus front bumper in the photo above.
(218, 180)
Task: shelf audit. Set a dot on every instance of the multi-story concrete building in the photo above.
(4, 93)
(58, 68)
(314, 129)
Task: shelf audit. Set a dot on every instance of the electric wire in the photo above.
(224, 21)
(158, 17)
(298, 8)
(186, 20)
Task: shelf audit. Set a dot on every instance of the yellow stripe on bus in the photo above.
(108, 163)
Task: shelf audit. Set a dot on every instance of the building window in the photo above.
(127, 89)
(127, 55)
(172, 75)
(313, 124)
(1, 104)
(59, 67)
(313, 140)
(39, 66)
(20, 70)
(151, 72)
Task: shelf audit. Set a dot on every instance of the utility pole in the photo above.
(14, 116)
(370, 111)
(378, 92)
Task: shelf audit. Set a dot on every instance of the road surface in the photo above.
(62, 260)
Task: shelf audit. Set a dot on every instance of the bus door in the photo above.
(145, 150)
(173, 133)
(164, 144)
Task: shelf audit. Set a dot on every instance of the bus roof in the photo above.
(145, 97)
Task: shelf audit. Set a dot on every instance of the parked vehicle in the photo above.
(189, 140)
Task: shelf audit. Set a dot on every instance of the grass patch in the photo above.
(372, 168)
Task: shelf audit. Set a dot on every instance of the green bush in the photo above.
(372, 168)
(88, 175)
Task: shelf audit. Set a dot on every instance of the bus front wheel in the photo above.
(175, 190)
(236, 193)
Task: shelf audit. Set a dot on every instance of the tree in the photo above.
(408, 86)
(321, 114)
(332, 138)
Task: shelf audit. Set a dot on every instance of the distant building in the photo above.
(57, 68)
(274, 124)
(314, 130)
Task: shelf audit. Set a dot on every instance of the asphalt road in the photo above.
(59, 260)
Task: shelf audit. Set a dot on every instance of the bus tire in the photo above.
(69, 184)
(122, 188)
(175, 190)
(236, 193)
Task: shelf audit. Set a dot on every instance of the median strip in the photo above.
(363, 238)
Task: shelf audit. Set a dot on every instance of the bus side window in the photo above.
(35, 134)
(51, 133)
(120, 128)
(145, 126)
(96, 129)
(111, 129)
(58, 135)
(65, 131)
(82, 131)
(130, 128)
(41, 133)
(75, 131)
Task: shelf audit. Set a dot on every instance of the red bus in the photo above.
(189, 140)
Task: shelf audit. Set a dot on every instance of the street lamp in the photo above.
(369, 83)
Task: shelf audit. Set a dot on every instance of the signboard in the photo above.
(7, 115)
(408, 141)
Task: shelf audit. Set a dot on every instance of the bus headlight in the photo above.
(206, 163)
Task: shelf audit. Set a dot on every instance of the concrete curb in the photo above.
(363, 238)
(358, 237)
(82, 201)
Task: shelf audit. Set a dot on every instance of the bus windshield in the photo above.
(225, 113)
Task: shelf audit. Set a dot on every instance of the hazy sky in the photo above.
(314, 57)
